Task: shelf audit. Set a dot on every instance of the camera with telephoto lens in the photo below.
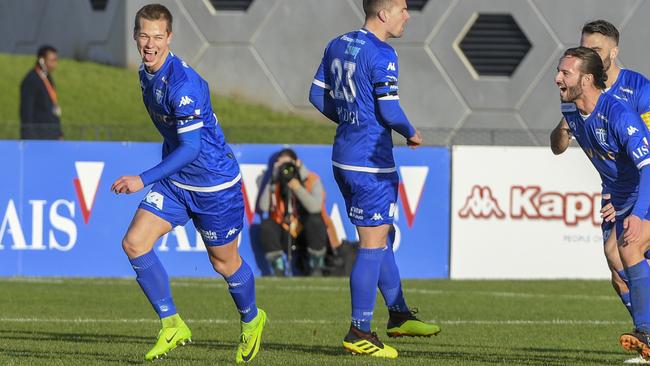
(286, 172)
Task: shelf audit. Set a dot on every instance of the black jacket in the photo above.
(37, 118)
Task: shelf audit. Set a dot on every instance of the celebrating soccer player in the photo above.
(198, 179)
(356, 87)
(615, 139)
(632, 89)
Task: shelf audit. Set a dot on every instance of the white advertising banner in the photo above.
(524, 213)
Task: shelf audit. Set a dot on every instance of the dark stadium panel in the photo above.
(231, 5)
(495, 45)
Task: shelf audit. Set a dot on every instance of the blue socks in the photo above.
(638, 277)
(153, 280)
(241, 285)
(625, 297)
(363, 285)
(389, 283)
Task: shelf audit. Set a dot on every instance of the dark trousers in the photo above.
(313, 236)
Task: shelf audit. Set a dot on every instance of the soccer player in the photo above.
(198, 179)
(626, 85)
(356, 87)
(615, 139)
(631, 88)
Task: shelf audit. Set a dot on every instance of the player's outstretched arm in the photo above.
(560, 137)
(320, 98)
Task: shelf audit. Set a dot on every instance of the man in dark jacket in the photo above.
(40, 114)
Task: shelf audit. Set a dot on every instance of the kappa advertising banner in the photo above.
(59, 218)
(522, 212)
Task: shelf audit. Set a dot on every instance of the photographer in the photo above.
(294, 200)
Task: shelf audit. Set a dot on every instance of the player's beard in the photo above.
(607, 63)
(571, 94)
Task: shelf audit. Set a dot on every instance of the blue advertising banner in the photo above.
(59, 218)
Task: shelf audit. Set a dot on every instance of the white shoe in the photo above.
(638, 360)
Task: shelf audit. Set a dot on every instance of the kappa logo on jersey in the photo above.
(601, 133)
(631, 130)
(391, 66)
(481, 204)
(155, 199)
(411, 188)
(86, 183)
(185, 101)
(376, 217)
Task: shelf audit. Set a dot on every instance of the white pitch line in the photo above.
(218, 284)
(314, 321)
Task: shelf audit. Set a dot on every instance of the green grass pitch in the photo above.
(51, 321)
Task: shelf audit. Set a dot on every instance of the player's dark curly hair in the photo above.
(603, 27)
(153, 12)
(591, 64)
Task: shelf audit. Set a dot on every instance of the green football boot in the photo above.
(250, 338)
(359, 342)
(173, 333)
(405, 324)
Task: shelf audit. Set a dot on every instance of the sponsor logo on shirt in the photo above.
(391, 66)
(641, 152)
(626, 90)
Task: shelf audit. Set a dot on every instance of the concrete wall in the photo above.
(269, 53)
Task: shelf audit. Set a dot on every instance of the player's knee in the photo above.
(131, 247)
(224, 266)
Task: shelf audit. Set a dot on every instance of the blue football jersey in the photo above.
(178, 101)
(358, 69)
(615, 139)
(633, 89)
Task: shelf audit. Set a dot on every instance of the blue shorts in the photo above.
(617, 225)
(370, 198)
(218, 216)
